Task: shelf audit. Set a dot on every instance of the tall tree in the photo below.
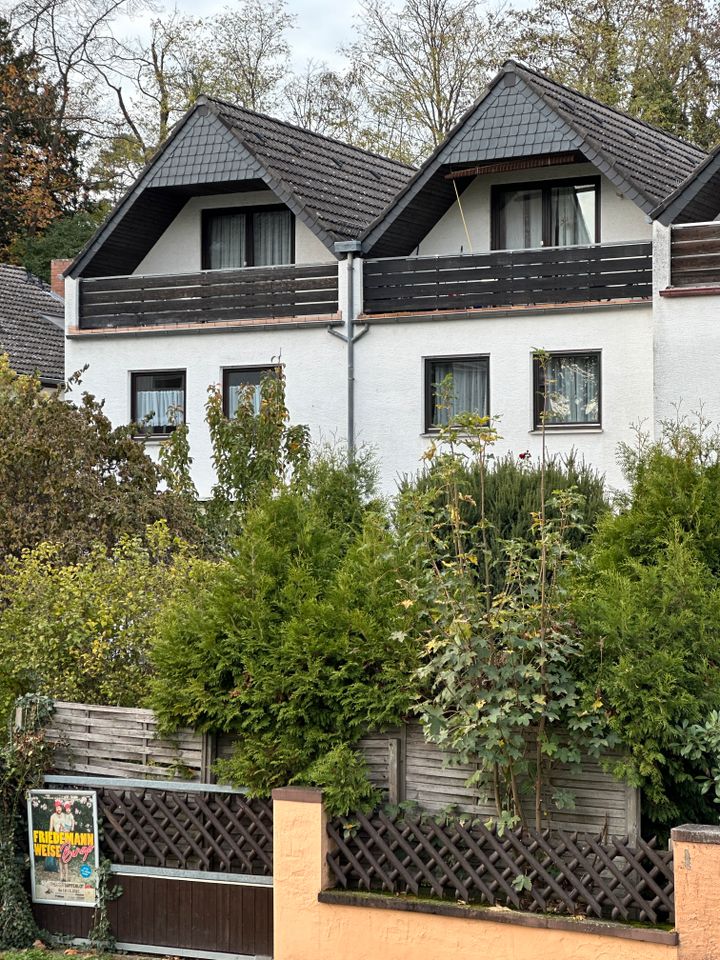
(658, 59)
(422, 65)
(39, 174)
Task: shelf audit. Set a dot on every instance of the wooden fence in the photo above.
(115, 741)
(213, 295)
(608, 271)
(123, 742)
(695, 254)
(531, 870)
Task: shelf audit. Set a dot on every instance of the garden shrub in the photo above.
(293, 644)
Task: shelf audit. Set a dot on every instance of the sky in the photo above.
(322, 25)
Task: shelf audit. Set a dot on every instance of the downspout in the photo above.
(350, 248)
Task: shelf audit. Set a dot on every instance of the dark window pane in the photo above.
(161, 398)
(225, 238)
(568, 389)
(237, 380)
(468, 388)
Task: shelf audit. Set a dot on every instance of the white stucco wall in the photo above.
(314, 364)
(179, 250)
(390, 381)
(687, 346)
(620, 219)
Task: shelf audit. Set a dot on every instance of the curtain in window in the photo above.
(163, 397)
(572, 215)
(226, 241)
(573, 389)
(235, 392)
(522, 212)
(469, 392)
(272, 237)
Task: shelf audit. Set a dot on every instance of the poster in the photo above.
(63, 846)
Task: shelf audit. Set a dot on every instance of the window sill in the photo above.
(153, 438)
(571, 428)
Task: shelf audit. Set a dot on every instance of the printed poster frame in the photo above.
(39, 804)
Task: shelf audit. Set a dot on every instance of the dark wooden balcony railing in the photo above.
(250, 293)
(504, 278)
(695, 255)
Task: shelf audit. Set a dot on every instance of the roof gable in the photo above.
(697, 199)
(523, 114)
(204, 151)
(335, 189)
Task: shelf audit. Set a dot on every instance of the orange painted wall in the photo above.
(308, 930)
(697, 893)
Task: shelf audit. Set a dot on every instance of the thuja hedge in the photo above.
(294, 642)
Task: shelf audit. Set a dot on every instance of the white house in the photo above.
(542, 222)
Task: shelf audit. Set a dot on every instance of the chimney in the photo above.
(57, 282)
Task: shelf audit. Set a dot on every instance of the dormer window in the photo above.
(247, 237)
(554, 213)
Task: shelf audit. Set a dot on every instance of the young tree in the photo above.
(64, 237)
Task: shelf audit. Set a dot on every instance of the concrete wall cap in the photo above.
(298, 794)
(696, 833)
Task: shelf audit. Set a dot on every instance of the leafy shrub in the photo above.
(293, 642)
(82, 631)
(648, 606)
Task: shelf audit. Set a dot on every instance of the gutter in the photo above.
(350, 248)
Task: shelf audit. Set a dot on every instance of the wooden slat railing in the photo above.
(538, 871)
(695, 254)
(212, 295)
(610, 271)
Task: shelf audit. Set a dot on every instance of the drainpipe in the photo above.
(351, 336)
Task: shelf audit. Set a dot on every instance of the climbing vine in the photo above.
(25, 755)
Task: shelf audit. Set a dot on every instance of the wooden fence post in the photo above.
(207, 757)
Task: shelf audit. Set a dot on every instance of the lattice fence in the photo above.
(186, 830)
(556, 872)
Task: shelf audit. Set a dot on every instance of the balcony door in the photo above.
(555, 213)
(247, 237)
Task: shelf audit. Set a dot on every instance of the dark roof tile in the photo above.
(31, 325)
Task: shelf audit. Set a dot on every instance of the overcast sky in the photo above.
(322, 25)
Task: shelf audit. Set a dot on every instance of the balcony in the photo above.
(695, 256)
(505, 278)
(209, 297)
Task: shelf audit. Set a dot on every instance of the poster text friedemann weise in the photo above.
(63, 846)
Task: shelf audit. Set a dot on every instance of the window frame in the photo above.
(207, 213)
(498, 189)
(253, 368)
(429, 427)
(537, 411)
(152, 434)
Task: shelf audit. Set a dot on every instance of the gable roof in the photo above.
(697, 199)
(31, 325)
(334, 188)
(523, 113)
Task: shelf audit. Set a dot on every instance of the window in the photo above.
(559, 213)
(161, 397)
(247, 237)
(568, 390)
(234, 382)
(470, 389)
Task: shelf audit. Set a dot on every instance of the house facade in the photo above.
(545, 221)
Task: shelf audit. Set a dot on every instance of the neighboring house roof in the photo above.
(697, 199)
(31, 325)
(334, 188)
(523, 113)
